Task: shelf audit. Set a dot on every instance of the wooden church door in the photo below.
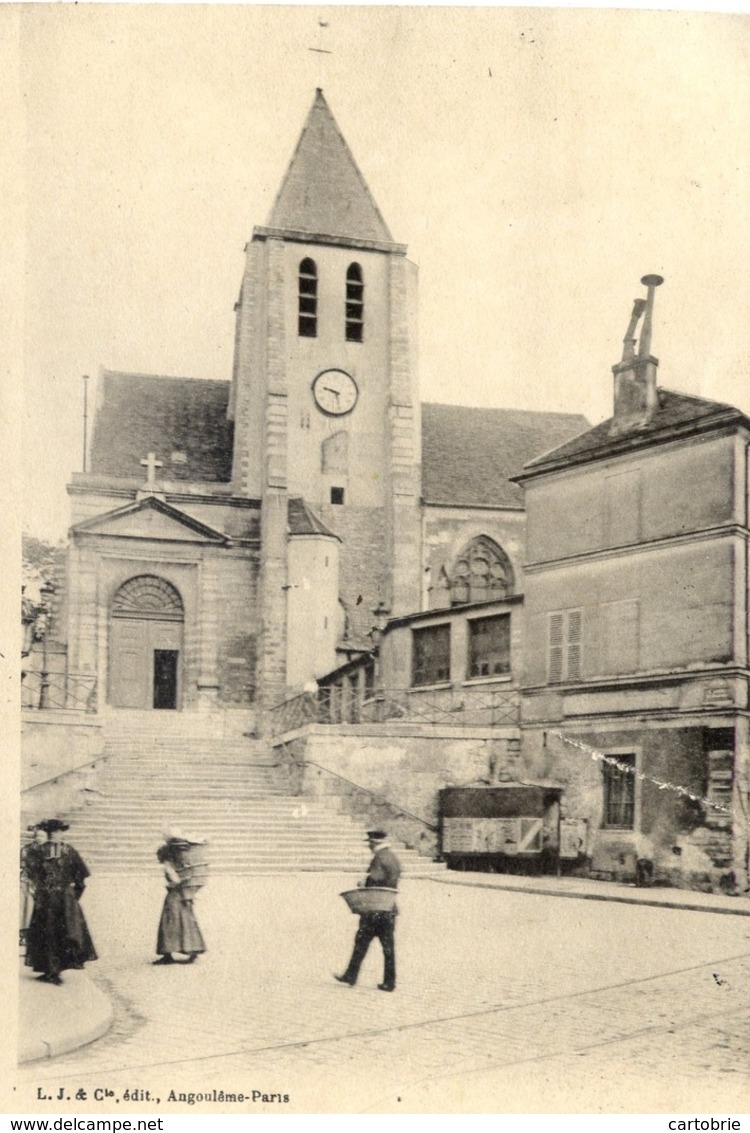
(145, 652)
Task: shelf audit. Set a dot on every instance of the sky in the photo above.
(537, 163)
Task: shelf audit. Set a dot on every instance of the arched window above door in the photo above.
(481, 573)
(148, 596)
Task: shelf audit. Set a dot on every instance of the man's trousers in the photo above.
(373, 925)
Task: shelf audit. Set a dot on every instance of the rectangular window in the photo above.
(619, 792)
(337, 495)
(564, 646)
(431, 655)
(489, 646)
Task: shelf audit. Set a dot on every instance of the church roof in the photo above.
(677, 413)
(469, 455)
(303, 520)
(323, 191)
(182, 420)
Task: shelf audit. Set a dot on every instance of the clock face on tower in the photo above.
(335, 392)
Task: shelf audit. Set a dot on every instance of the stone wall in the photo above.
(60, 752)
(447, 531)
(390, 775)
(362, 561)
(687, 848)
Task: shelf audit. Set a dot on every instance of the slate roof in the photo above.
(302, 519)
(677, 413)
(470, 454)
(323, 191)
(143, 413)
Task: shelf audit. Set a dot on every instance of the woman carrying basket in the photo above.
(178, 928)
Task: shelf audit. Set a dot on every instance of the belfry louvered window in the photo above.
(308, 299)
(565, 645)
(355, 304)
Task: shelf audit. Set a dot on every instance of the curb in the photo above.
(582, 895)
(57, 1020)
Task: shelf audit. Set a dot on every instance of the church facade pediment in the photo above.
(151, 518)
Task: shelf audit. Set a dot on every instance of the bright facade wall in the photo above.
(659, 493)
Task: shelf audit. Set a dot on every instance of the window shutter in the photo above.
(574, 645)
(555, 648)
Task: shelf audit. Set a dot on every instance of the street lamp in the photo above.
(45, 592)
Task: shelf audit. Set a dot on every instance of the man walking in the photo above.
(384, 871)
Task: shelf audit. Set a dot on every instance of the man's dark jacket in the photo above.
(385, 869)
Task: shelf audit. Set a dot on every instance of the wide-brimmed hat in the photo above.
(376, 836)
(173, 834)
(52, 825)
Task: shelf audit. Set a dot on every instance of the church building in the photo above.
(232, 541)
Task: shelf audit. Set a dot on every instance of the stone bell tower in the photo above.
(325, 405)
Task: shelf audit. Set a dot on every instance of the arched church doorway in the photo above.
(145, 644)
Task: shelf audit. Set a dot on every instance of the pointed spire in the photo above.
(323, 191)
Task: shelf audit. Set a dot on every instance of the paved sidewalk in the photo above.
(55, 1020)
(584, 889)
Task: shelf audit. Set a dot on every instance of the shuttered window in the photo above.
(355, 304)
(308, 299)
(565, 646)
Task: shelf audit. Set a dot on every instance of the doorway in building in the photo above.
(146, 645)
(165, 678)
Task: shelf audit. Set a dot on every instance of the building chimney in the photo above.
(636, 398)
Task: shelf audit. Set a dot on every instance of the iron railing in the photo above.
(378, 799)
(461, 708)
(75, 691)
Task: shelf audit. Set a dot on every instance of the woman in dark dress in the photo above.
(178, 928)
(57, 937)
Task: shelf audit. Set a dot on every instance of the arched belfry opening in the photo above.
(146, 644)
(482, 572)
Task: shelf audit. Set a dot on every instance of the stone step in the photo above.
(301, 860)
(279, 804)
(193, 773)
(203, 773)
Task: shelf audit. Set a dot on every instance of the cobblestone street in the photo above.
(507, 1002)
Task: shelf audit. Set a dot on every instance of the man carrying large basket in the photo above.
(185, 870)
(379, 919)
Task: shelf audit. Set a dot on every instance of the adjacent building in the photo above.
(636, 627)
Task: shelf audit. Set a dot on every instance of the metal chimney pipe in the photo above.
(628, 342)
(651, 282)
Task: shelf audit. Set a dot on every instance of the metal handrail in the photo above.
(381, 798)
(58, 691)
(68, 771)
(346, 705)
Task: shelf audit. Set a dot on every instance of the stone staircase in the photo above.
(173, 770)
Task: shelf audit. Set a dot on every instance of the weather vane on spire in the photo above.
(323, 27)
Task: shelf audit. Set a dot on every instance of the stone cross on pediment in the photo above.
(151, 464)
